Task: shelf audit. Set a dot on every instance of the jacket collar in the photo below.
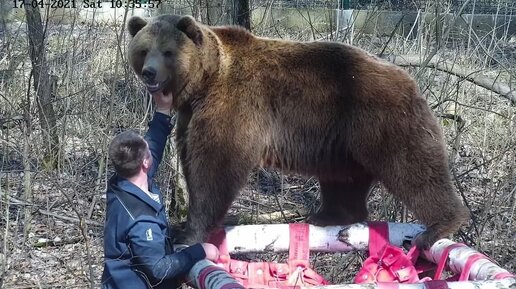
(130, 188)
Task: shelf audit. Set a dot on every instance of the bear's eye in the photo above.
(168, 53)
(143, 52)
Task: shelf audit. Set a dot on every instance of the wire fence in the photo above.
(474, 7)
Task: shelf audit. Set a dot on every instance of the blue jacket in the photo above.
(137, 245)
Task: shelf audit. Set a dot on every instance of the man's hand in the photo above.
(163, 102)
(212, 252)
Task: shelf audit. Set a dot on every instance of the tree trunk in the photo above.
(42, 85)
(212, 12)
(241, 13)
(5, 8)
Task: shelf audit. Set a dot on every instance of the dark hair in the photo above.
(127, 152)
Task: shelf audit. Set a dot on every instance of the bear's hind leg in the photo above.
(420, 179)
(343, 201)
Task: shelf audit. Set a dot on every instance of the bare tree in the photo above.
(42, 84)
(242, 15)
(212, 12)
(5, 8)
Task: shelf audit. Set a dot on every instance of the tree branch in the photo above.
(70, 219)
(503, 89)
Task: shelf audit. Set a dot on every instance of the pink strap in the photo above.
(257, 273)
(413, 254)
(299, 250)
(503, 275)
(444, 258)
(299, 254)
(378, 237)
(266, 275)
(464, 275)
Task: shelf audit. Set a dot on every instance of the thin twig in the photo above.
(393, 32)
(54, 243)
(70, 219)
(444, 36)
(460, 121)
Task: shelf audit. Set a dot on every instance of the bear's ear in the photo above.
(189, 27)
(135, 24)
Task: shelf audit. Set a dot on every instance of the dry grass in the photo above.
(94, 102)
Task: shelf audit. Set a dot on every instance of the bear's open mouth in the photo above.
(156, 86)
(153, 87)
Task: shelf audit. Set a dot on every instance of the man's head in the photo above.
(130, 154)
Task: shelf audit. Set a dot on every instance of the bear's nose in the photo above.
(148, 74)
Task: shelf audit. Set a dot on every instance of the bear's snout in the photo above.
(149, 74)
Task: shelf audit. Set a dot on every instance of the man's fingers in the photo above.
(168, 95)
(158, 93)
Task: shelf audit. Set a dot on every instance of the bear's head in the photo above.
(169, 53)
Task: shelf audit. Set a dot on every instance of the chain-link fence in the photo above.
(487, 6)
(331, 4)
(474, 7)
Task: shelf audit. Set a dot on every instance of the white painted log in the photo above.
(275, 237)
(481, 269)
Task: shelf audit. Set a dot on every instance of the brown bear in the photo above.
(320, 109)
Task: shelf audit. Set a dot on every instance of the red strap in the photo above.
(444, 258)
(420, 264)
(378, 237)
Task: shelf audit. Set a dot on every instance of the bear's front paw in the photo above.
(183, 237)
(425, 240)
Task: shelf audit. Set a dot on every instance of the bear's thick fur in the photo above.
(315, 108)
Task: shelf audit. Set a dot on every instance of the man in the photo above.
(137, 246)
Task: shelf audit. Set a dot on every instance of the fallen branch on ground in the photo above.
(71, 219)
(17, 202)
(503, 89)
(42, 242)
